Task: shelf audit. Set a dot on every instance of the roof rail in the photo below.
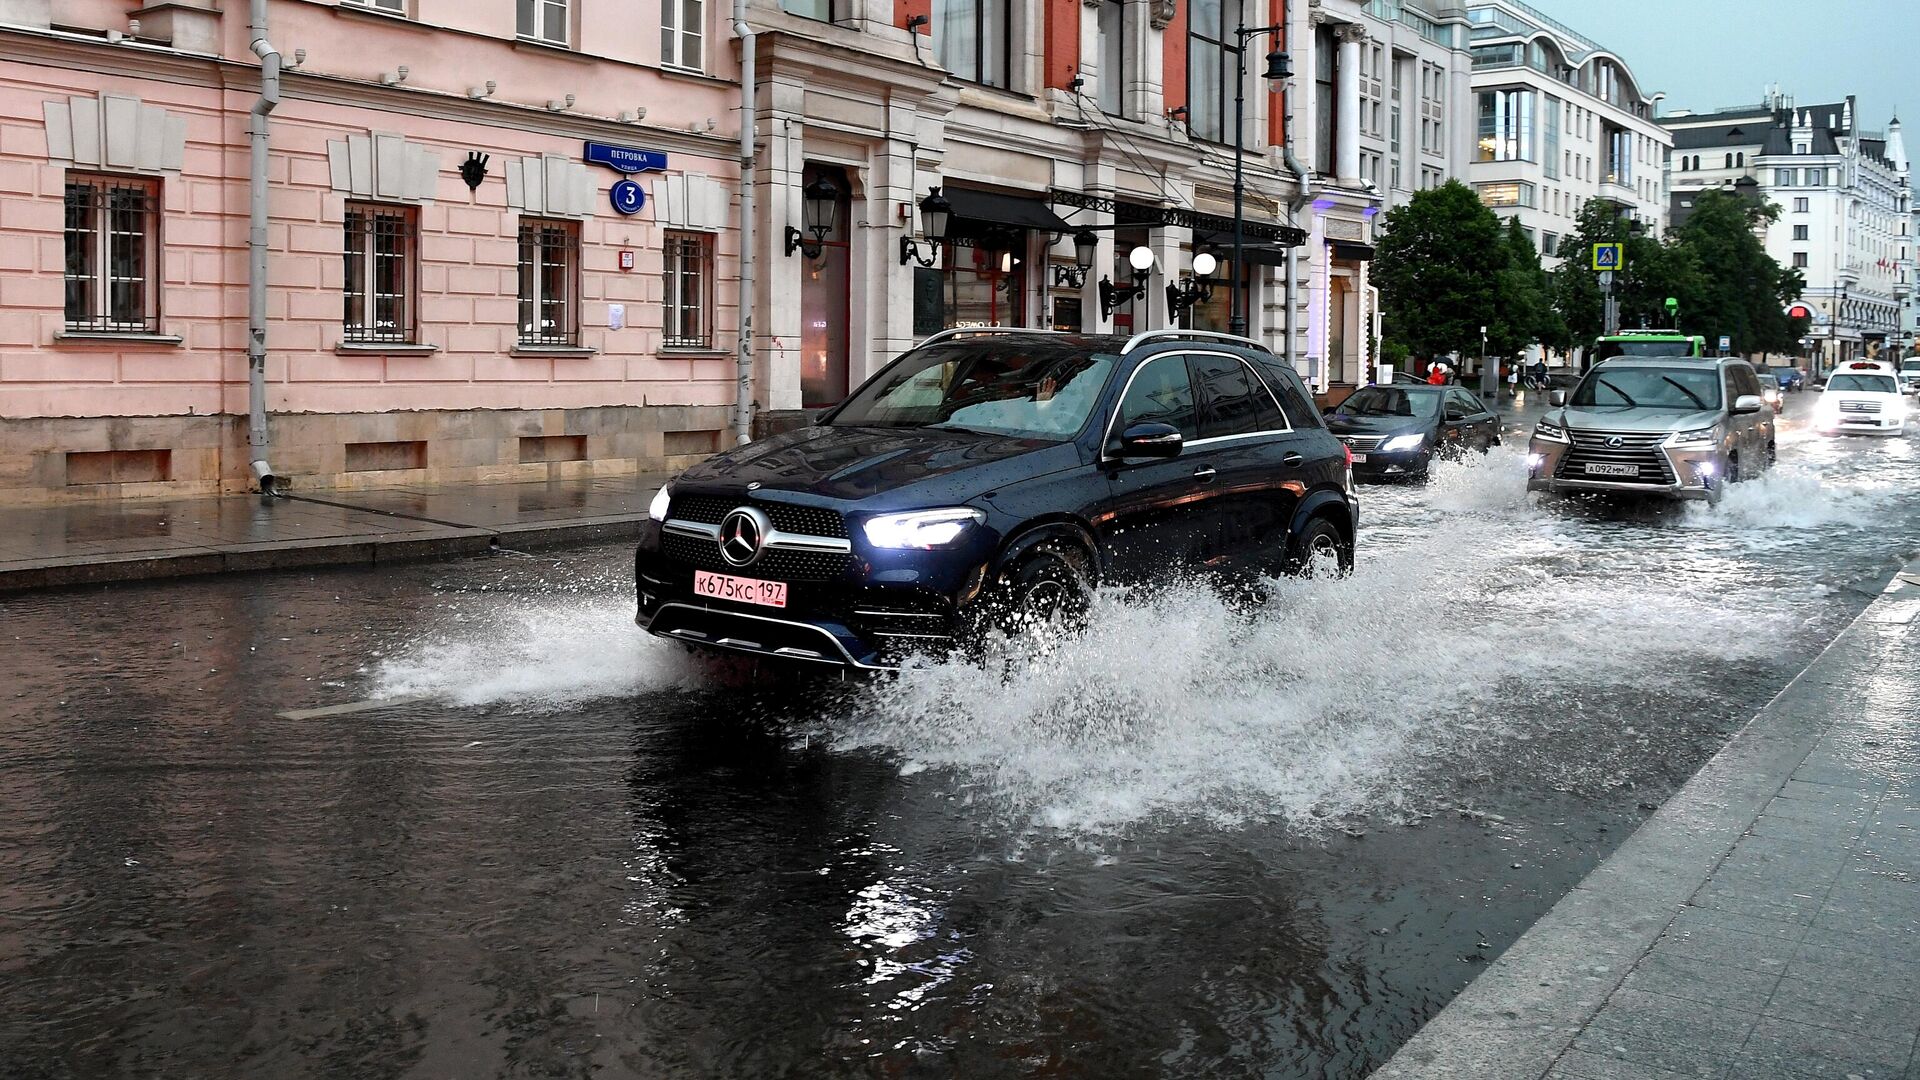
(1189, 335)
(963, 331)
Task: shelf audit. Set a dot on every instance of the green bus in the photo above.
(1648, 343)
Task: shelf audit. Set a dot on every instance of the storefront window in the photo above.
(983, 287)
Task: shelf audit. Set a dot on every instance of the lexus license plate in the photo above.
(1597, 468)
(740, 590)
(1359, 459)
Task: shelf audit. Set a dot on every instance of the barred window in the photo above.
(113, 255)
(549, 282)
(689, 292)
(380, 278)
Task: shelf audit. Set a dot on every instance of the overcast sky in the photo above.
(1709, 54)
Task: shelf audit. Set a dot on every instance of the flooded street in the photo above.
(465, 820)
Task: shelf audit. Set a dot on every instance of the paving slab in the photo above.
(1764, 922)
(98, 543)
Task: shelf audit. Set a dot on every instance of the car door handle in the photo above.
(1291, 458)
(1205, 474)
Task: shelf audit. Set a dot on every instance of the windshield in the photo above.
(1870, 384)
(1910, 365)
(1390, 401)
(1607, 350)
(1649, 388)
(1042, 392)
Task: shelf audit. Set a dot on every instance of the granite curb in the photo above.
(1532, 1013)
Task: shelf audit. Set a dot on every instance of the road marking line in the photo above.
(349, 708)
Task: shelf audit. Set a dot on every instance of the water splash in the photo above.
(549, 652)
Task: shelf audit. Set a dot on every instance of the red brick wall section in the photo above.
(1174, 62)
(1063, 42)
(1277, 116)
(905, 9)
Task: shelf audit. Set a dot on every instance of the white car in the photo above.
(1910, 374)
(1869, 402)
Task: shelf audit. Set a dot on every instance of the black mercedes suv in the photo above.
(990, 477)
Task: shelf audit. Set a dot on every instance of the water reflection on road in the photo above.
(1190, 843)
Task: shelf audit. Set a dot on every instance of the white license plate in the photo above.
(1359, 459)
(741, 590)
(1603, 469)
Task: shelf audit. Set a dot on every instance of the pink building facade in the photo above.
(454, 294)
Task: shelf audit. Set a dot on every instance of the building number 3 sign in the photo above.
(628, 197)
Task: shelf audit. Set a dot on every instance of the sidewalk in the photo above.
(87, 543)
(1764, 923)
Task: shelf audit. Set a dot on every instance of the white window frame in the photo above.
(405, 229)
(536, 21)
(683, 45)
(537, 256)
(97, 250)
(390, 7)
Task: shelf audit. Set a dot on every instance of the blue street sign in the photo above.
(627, 159)
(628, 197)
(1606, 256)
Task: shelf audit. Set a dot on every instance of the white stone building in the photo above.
(1559, 122)
(1846, 209)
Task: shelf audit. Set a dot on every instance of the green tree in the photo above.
(1438, 265)
(1526, 312)
(1745, 290)
(1651, 272)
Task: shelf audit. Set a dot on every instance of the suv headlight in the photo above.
(1547, 432)
(1403, 442)
(1698, 437)
(657, 509)
(921, 529)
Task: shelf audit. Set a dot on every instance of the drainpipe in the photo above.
(257, 441)
(743, 373)
(1293, 215)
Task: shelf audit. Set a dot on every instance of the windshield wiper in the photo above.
(1623, 394)
(1670, 381)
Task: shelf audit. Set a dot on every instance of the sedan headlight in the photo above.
(921, 529)
(657, 509)
(1403, 442)
(1548, 432)
(1705, 436)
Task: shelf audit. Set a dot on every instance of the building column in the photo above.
(777, 323)
(1165, 242)
(1347, 87)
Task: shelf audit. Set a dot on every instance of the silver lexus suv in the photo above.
(1681, 427)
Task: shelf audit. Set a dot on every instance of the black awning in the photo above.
(1347, 249)
(992, 208)
(1257, 252)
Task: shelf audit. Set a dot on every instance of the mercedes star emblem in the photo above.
(741, 534)
(1616, 443)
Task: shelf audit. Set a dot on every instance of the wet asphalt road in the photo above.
(1191, 843)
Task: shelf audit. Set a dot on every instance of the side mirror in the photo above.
(1557, 398)
(1151, 441)
(1748, 403)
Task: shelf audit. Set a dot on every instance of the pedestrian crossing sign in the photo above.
(1606, 256)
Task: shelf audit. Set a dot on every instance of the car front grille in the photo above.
(774, 564)
(1363, 444)
(1635, 448)
(1860, 406)
(787, 517)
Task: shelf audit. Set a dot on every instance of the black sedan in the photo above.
(1396, 431)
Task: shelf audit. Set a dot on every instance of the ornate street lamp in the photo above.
(1278, 70)
(819, 201)
(1198, 286)
(1085, 247)
(935, 213)
(1112, 296)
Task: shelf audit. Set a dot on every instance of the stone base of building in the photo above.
(69, 459)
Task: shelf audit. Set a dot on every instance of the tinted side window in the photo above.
(1232, 401)
(1160, 393)
(1747, 381)
(1295, 402)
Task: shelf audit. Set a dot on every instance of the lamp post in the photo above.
(1279, 69)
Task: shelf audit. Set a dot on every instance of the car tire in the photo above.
(1052, 583)
(1318, 541)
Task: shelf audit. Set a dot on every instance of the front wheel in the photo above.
(1320, 550)
(1049, 586)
